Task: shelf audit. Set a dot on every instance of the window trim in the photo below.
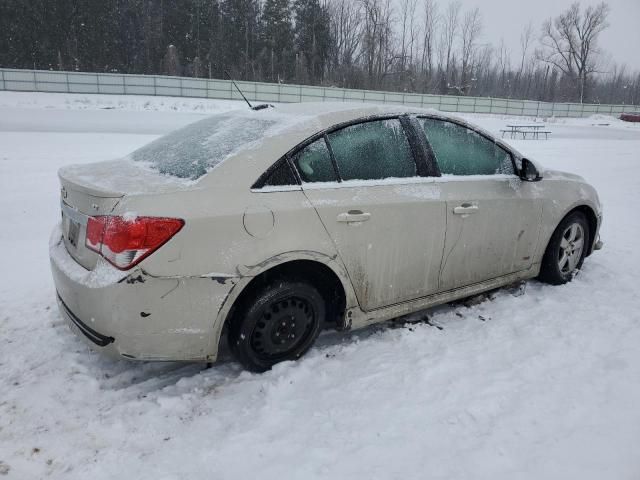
(432, 169)
(421, 151)
(462, 123)
(262, 179)
(292, 157)
(334, 162)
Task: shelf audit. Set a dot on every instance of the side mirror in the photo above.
(529, 172)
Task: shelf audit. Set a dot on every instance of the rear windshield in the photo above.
(192, 151)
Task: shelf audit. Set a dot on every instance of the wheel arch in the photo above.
(324, 272)
(592, 221)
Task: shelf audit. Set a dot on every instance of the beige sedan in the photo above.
(273, 224)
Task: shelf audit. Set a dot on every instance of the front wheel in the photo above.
(566, 250)
(279, 322)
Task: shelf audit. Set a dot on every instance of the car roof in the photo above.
(328, 114)
(297, 122)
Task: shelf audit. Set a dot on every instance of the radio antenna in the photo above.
(257, 107)
(239, 91)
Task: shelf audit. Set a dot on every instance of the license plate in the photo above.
(72, 236)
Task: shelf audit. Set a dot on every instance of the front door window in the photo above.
(462, 151)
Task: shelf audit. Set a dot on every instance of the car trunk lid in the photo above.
(78, 202)
(96, 189)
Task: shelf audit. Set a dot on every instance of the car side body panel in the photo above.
(362, 319)
(146, 317)
(394, 254)
(499, 234)
(228, 236)
(562, 193)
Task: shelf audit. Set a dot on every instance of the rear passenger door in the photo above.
(386, 220)
(493, 217)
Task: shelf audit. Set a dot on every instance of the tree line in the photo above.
(424, 46)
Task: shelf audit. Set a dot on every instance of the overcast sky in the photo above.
(507, 18)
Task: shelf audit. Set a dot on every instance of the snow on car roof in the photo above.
(328, 112)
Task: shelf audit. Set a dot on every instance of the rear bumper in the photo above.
(135, 315)
(95, 337)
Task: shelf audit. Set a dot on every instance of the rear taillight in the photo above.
(125, 242)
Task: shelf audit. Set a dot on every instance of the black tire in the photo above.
(550, 270)
(278, 322)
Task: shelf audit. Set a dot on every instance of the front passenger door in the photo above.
(493, 217)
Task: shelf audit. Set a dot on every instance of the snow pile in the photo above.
(542, 385)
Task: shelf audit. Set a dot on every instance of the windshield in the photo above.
(192, 151)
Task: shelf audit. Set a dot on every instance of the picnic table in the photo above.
(533, 129)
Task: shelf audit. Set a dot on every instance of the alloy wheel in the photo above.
(571, 246)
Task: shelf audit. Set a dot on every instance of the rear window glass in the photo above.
(192, 151)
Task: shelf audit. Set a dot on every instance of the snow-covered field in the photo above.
(544, 385)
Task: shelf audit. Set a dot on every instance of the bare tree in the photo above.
(617, 78)
(407, 14)
(414, 32)
(525, 43)
(371, 31)
(377, 36)
(407, 38)
(346, 33)
(469, 33)
(569, 42)
(450, 25)
(504, 66)
(430, 23)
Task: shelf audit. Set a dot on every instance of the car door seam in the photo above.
(444, 261)
(333, 242)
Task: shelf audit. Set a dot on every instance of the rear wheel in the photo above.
(566, 250)
(279, 322)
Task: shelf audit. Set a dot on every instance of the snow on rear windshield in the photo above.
(192, 151)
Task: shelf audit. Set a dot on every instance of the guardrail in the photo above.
(122, 84)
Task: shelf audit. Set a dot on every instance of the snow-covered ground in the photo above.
(544, 385)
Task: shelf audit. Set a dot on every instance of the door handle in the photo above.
(465, 209)
(353, 216)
